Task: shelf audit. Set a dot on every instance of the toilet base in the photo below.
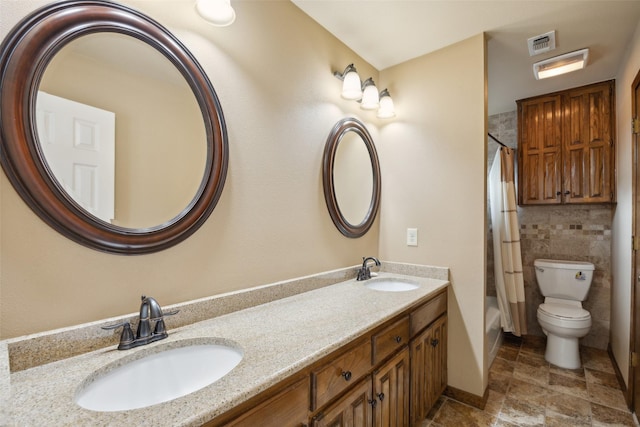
(563, 351)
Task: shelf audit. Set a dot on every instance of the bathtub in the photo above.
(492, 327)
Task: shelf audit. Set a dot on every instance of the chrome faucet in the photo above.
(150, 311)
(364, 273)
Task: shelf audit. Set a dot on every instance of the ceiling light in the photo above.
(561, 64)
(217, 12)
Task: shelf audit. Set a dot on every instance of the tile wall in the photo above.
(571, 232)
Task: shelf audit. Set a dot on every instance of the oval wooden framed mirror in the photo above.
(351, 177)
(25, 55)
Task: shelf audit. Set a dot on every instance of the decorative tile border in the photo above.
(548, 231)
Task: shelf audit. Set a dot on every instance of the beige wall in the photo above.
(622, 219)
(280, 101)
(433, 159)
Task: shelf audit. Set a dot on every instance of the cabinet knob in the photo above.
(434, 342)
(346, 375)
(381, 396)
(398, 339)
(372, 402)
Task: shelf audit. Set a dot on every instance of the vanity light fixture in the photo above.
(216, 12)
(351, 88)
(366, 93)
(561, 64)
(386, 109)
(370, 98)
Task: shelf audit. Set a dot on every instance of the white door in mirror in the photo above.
(78, 142)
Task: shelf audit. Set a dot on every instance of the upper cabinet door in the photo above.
(566, 143)
(589, 148)
(540, 150)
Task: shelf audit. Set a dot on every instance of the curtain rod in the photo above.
(496, 140)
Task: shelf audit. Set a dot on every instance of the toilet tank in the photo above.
(564, 279)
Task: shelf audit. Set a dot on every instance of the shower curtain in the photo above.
(506, 244)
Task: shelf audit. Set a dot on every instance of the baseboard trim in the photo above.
(468, 398)
(626, 391)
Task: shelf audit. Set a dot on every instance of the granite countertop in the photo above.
(278, 339)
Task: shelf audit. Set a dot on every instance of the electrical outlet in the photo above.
(412, 237)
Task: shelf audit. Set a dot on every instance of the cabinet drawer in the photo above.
(389, 339)
(331, 379)
(427, 313)
(289, 407)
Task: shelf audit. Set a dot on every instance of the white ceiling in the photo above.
(389, 32)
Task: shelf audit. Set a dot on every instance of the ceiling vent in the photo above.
(542, 43)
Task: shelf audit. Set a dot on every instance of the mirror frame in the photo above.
(24, 56)
(343, 126)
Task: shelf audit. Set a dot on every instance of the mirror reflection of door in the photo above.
(353, 178)
(78, 142)
(161, 150)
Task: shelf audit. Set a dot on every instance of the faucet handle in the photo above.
(126, 338)
(159, 328)
(170, 313)
(116, 326)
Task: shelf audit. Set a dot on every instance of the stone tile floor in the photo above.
(525, 390)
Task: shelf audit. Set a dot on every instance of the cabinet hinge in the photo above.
(635, 126)
(633, 359)
(635, 243)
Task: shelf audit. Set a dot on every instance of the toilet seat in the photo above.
(563, 319)
(564, 311)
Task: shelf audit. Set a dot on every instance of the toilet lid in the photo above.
(565, 311)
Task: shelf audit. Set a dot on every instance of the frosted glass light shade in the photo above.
(351, 86)
(561, 64)
(370, 100)
(387, 109)
(217, 12)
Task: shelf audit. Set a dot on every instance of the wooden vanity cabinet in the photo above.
(380, 400)
(389, 377)
(566, 146)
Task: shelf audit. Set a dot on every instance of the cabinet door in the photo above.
(353, 410)
(391, 392)
(288, 408)
(540, 150)
(589, 144)
(428, 369)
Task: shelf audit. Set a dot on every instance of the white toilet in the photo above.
(564, 285)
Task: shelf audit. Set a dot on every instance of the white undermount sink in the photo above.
(391, 285)
(158, 377)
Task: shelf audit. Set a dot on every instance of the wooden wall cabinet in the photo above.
(390, 377)
(566, 146)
